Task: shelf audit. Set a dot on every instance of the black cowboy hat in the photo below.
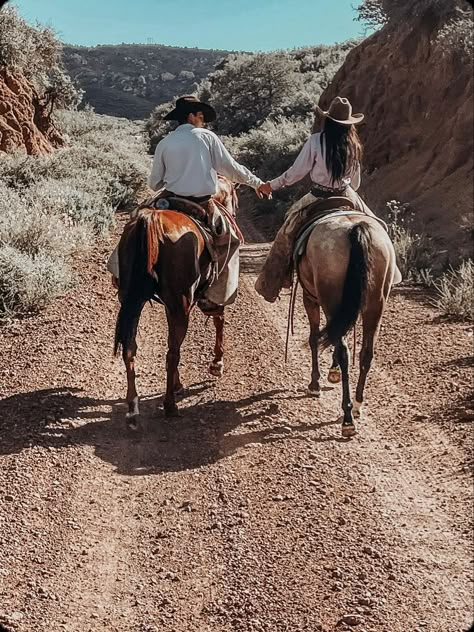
(190, 104)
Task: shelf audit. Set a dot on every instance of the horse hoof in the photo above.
(313, 392)
(348, 431)
(357, 410)
(132, 420)
(172, 411)
(216, 369)
(334, 376)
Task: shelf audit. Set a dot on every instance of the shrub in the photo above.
(372, 14)
(414, 250)
(247, 89)
(454, 291)
(52, 206)
(271, 148)
(28, 283)
(37, 53)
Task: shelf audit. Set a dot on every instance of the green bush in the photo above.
(414, 251)
(52, 206)
(28, 283)
(454, 291)
(271, 148)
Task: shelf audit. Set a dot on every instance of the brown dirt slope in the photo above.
(24, 119)
(418, 135)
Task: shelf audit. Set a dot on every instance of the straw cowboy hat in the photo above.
(189, 104)
(340, 111)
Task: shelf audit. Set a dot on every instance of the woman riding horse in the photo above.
(332, 159)
(347, 266)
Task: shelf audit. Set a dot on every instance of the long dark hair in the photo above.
(342, 148)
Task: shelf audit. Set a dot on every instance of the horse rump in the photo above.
(355, 286)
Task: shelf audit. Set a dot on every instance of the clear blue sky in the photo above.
(224, 24)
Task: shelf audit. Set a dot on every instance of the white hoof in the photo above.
(357, 409)
(334, 376)
(217, 368)
(312, 392)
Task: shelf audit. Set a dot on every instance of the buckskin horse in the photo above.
(347, 269)
(162, 253)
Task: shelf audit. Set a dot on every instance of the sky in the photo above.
(249, 25)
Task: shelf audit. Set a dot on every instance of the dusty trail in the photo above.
(248, 513)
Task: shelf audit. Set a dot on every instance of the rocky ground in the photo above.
(249, 513)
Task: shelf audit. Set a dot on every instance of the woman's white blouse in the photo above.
(311, 160)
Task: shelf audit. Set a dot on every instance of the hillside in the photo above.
(417, 95)
(129, 80)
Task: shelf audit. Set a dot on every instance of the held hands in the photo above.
(264, 189)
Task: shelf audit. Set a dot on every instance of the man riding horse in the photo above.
(186, 167)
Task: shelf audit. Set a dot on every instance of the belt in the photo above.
(197, 200)
(320, 191)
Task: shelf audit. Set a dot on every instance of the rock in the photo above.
(352, 619)
(24, 121)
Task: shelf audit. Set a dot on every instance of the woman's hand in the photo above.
(265, 189)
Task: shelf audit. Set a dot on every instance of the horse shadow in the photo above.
(206, 431)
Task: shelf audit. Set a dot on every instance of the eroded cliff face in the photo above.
(418, 131)
(25, 123)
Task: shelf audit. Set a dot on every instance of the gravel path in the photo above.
(248, 513)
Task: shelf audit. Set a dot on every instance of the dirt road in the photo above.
(248, 513)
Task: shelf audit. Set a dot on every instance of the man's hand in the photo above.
(265, 189)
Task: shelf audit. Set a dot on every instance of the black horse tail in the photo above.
(139, 247)
(355, 286)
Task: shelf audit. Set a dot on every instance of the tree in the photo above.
(247, 89)
(372, 14)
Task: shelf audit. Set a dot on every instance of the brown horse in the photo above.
(162, 255)
(348, 269)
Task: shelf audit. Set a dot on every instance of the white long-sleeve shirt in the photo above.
(311, 160)
(188, 160)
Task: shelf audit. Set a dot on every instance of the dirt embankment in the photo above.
(418, 134)
(24, 117)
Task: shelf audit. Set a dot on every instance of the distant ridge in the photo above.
(129, 80)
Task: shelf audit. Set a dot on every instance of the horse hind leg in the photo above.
(216, 368)
(129, 353)
(178, 321)
(348, 427)
(371, 320)
(314, 316)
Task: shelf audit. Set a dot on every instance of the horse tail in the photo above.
(141, 249)
(355, 286)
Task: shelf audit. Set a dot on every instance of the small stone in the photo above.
(9, 498)
(371, 551)
(341, 521)
(352, 619)
(17, 616)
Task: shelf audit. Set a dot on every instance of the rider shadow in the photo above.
(205, 432)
